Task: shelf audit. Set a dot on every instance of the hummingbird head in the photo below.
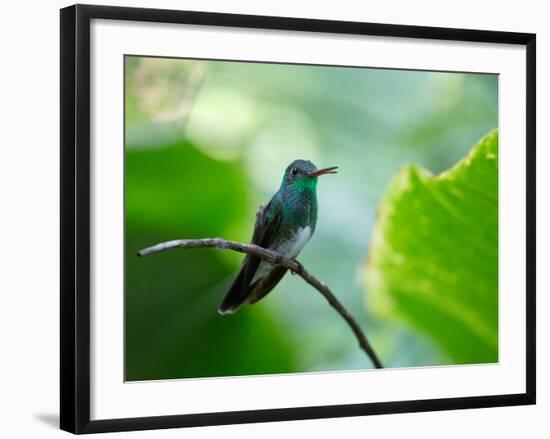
(303, 174)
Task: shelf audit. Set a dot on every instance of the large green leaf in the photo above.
(433, 258)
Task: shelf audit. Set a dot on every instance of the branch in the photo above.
(274, 258)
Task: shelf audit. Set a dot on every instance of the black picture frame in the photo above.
(75, 217)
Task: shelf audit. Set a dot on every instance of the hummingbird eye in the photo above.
(294, 172)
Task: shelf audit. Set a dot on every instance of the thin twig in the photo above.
(274, 258)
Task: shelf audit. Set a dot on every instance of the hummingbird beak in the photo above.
(324, 171)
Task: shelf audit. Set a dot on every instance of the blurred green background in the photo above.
(207, 143)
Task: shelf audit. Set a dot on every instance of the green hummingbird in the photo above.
(284, 225)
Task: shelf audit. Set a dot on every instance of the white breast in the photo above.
(289, 249)
(292, 247)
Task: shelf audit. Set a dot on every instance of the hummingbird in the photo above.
(285, 226)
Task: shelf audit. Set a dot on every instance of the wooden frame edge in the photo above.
(75, 218)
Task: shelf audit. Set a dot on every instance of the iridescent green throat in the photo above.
(300, 201)
(304, 184)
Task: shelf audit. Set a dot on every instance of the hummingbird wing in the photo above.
(268, 220)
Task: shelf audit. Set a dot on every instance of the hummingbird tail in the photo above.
(242, 291)
(235, 297)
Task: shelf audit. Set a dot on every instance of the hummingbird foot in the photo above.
(279, 259)
(300, 268)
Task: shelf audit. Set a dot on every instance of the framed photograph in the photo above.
(274, 218)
